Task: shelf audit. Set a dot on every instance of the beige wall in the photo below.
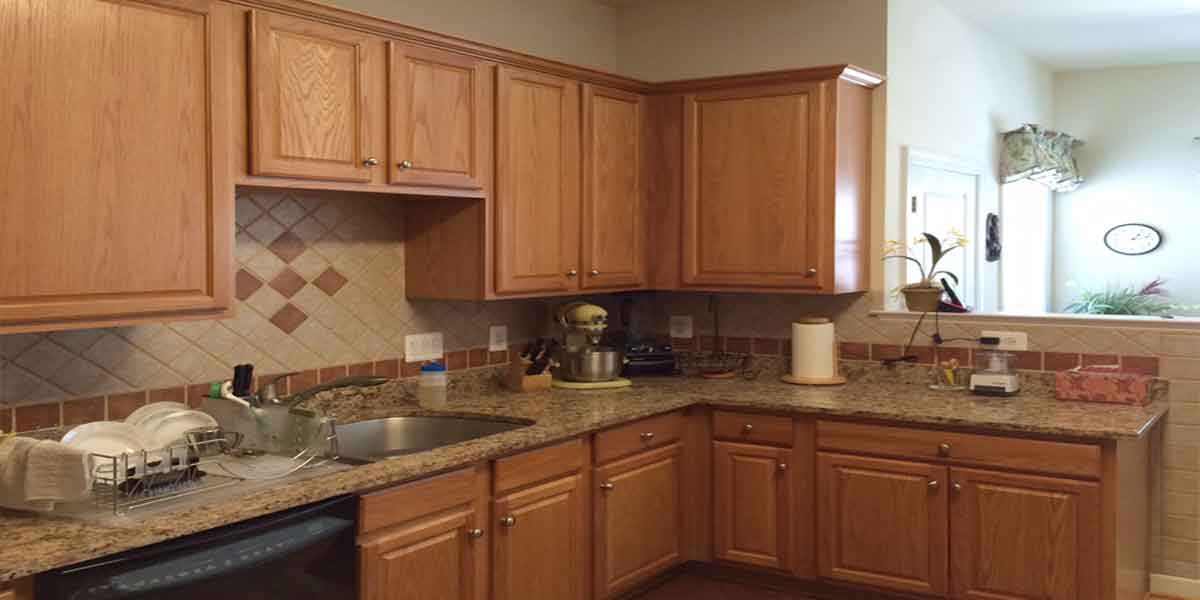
(672, 39)
(952, 88)
(580, 32)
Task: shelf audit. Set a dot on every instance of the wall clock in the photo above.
(1133, 239)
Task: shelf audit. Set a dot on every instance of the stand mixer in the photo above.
(585, 364)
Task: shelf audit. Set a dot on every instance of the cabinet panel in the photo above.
(752, 502)
(638, 518)
(752, 213)
(883, 523)
(309, 88)
(1021, 537)
(439, 108)
(436, 558)
(115, 197)
(613, 210)
(541, 552)
(537, 182)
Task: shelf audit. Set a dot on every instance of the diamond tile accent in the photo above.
(287, 246)
(265, 229)
(289, 318)
(245, 284)
(287, 283)
(288, 212)
(331, 281)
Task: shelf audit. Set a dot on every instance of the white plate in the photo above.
(111, 439)
(169, 430)
(142, 415)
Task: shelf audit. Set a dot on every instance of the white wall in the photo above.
(1140, 164)
(580, 32)
(952, 88)
(675, 39)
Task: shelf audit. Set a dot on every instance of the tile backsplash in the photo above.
(320, 282)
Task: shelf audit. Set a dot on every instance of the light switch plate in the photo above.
(497, 338)
(1009, 340)
(681, 326)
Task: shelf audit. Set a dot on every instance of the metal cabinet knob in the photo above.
(607, 485)
(594, 273)
(812, 272)
(508, 521)
(371, 162)
(782, 466)
(934, 485)
(475, 533)
(957, 487)
(572, 273)
(943, 450)
(747, 428)
(647, 436)
(406, 164)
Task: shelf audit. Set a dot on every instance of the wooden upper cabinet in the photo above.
(883, 523)
(639, 514)
(537, 182)
(439, 109)
(751, 215)
(116, 202)
(614, 217)
(752, 504)
(309, 88)
(540, 546)
(1021, 537)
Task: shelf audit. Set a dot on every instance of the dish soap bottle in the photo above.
(431, 386)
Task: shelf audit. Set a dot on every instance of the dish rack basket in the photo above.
(206, 460)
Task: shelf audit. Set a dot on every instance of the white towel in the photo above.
(35, 474)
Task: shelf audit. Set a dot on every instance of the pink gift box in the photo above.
(1109, 384)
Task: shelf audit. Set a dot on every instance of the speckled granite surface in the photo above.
(31, 544)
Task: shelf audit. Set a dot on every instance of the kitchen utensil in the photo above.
(592, 364)
(171, 430)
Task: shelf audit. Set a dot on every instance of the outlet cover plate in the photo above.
(497, 338)
(1009, 340)
(681, 327)
(423, 346)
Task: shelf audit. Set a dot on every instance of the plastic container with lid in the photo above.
(431, 386)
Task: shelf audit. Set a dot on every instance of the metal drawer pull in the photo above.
(747, 428)
(607, 485)
(509, 521)
(647, 436)
(957, 487)
(475, 533)
(371, 162)
(944, 450)
(782, 466)
(406, 164)
(934, 485)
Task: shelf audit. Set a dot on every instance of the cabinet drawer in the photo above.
(752, 429)
(640, 435)
(417, 499)
(538, 465)
(1064, 458)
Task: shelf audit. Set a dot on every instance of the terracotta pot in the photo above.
(921, 299)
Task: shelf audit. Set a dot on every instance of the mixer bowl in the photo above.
(592, 364)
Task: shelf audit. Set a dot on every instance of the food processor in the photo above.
(994, 373)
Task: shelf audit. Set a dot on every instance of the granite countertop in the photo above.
(36, 543)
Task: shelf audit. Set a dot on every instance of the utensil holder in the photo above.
(516, 380)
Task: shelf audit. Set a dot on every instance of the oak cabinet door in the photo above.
(613, 211)
(434, 558)
(1021, 537)
(539, 547)
(308, 108)
(751, 188)
(115, 195)
(537, 182)
(882, 523)
(752, 499)
(638, 517)
(439, 109)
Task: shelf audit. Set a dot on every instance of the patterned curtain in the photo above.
(1042, 155)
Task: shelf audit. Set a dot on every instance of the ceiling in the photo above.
(1092, 34)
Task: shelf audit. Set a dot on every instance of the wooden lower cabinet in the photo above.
(883, 523)
(752, 504)
(540, 546)
(1023, 537)
(638, 515)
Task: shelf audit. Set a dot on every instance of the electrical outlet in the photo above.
(1009, 340)
(423, 346)
(681, 326)
(497, 338)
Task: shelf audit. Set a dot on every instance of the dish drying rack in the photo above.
(207, 460)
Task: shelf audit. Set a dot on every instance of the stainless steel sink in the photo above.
(381, 439)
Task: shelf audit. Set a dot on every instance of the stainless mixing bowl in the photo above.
(592, 364)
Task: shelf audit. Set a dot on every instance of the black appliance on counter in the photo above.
(649, 358)
(307, 553)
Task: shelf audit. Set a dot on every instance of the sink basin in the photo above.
(381, 439)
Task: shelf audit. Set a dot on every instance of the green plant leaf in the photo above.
(952, 276)
(935, 249)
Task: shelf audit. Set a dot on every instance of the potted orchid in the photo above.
(924, 295)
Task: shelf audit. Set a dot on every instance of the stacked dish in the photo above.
(146, 437)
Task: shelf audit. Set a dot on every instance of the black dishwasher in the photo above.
(301, 554)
